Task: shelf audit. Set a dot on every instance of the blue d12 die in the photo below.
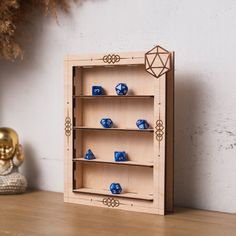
(106, 122)
(115, 188)
(120, 156)
(97, 90)
(89, 155)
(121, 89)
(142, 124)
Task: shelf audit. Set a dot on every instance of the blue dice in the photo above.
(97, 90)
(89, 155)
(120, 156)
(142, 124)
(115, 188)
(121, 89)
(106, 122)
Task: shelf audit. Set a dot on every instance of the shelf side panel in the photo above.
(169, 185)
(68, 129)
(159, 143)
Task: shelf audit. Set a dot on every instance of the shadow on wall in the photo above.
(11, 78)
(30, 167)
(12, 71)
(189, 123)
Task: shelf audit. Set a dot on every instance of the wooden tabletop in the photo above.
(44, 213)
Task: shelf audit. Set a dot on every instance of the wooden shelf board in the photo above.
(113, 129)
(132, 163)
(148, 197)
(113, 96)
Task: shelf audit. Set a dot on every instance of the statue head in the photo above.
(8, 143)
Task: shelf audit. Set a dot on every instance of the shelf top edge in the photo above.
(114, 96)
(134, 163)
(148, 197)
(89, 56)
(118, 129)
(97, 56)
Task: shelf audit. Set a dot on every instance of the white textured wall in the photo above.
(203, 34)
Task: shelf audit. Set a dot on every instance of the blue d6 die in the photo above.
(115, 188)
(120, 156)
(89, 155)
(142, 124)
(106, 122)
(121, 89)
(97, 90)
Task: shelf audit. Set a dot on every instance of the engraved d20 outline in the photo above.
(157, 61)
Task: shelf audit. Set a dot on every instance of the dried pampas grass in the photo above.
(15, 12)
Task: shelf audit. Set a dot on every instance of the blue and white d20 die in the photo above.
(142, 124)
(97, 90)
(106, 122)
(120, 156)
(121, 89)
(115, 188)
(89, 155)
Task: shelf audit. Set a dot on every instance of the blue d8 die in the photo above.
(142, 124)
(89, 155)
(106, 122)
(121, 89)
(97, 90)
(115, 188)
(120, 156)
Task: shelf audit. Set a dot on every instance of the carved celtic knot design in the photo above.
(110, 202)
(111, 58)
(159, 130)
(68, 126)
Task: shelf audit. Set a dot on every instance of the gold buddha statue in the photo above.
(11, 157)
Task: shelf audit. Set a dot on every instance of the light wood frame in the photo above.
(147, 177)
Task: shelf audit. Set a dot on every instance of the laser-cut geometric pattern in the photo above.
(110, 202)
(111, 58)
(157, 61)
(68, 126)
(159, 130)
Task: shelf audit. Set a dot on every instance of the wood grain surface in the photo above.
(44, 213)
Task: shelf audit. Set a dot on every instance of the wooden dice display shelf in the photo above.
(147, 177)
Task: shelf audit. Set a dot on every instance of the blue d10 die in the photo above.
(120, 156)
(97, 90)
(142, 124)
(121, 89)
(106, 122)
(115, 188)
(89, 155)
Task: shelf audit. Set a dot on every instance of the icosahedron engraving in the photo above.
(157, 61)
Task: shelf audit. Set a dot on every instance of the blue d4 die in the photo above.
(106, 122)
(121, 89)
(120, 156)
(142, 124)
(115, 188)
(97, 90)
(89, 155)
